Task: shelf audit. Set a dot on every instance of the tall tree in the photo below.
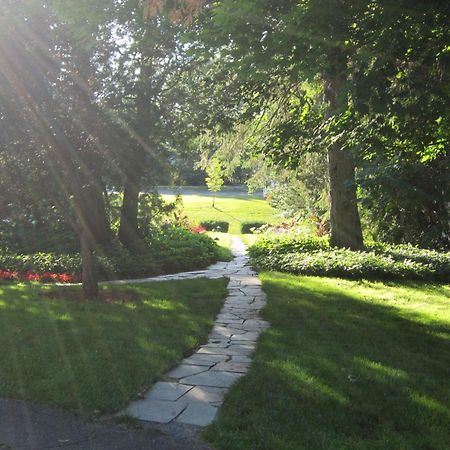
(49, 97)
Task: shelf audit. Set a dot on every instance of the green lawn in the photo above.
(96, 356)
(234, 210)
(345, 365)
(223, 240)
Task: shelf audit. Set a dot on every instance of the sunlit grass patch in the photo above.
(345, 365)
(95, 356)
(234, 210)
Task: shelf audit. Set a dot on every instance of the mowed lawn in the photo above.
(93, 357)
(233, 210)
(345, 365)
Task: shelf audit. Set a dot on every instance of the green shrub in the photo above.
(41, 262)
(215, 225)
(168, 250)
(178, 249)
(314, 256)
(250, 227)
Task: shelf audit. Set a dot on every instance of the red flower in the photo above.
(198, 230)
(33, 276)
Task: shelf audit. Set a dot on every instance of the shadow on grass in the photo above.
(93, 356)
(340, 369)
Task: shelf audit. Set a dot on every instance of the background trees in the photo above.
(100, 97)
(367, 81)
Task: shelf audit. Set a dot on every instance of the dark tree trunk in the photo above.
(344, 216)
(345, 222)
(88, 270)
(96, 220)
(128, 228)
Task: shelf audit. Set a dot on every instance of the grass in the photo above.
(234, 210)
(345, 365)
(224, 242)
(93, 357)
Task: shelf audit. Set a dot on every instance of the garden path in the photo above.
(193, 391)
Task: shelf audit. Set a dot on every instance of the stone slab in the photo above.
(211, 378)
(207, 358)
(204, 394)
(198, 414)
(231, 366)
(184, 370)
(164, 390)
(161, 411)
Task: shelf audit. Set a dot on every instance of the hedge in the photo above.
(250, 227)
(215, 225)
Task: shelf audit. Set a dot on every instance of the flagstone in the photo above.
(204, 377)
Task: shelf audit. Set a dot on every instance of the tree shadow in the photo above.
(334, 371)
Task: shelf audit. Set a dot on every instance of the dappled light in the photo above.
(341, 365)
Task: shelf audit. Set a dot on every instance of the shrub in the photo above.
(178, 249)
(215, 225)
(251, 227)
(168, 250)
(314, 256)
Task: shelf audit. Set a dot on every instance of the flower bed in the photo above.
(45, 277)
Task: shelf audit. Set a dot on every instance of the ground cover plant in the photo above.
(345, 365)
(232, 209)
(167, 250)
(95, 356)
(314, 256)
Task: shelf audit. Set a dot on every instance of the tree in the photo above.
(140, 67)
(268, 48)
(45, 78)
(214, 180)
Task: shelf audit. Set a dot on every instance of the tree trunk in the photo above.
(344, 216)
(128, 228)
(88, 271)
(345, 222)
(95, 218)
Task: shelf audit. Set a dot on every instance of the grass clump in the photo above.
(94, 357)
(345, 365)
(314, 256)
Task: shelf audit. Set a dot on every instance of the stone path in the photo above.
(196, 388)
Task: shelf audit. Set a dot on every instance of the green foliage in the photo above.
(177, 249)
(251, 227)
(214, 180)
(168, 250)
(405, 200)
(215, 225)
(41, 262)
(314, 256)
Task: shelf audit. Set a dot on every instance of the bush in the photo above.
(314, 256)
(251, 227)
(215, 225)
(168, 250)
(178, 249)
